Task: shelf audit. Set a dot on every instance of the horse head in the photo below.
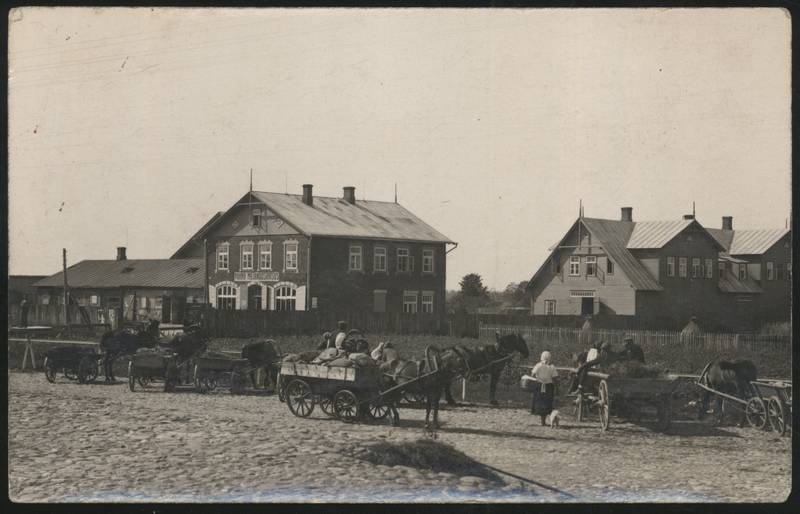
(511, 343)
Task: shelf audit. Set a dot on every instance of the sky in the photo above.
(131, 127)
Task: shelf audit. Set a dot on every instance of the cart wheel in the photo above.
(378, 410)
(70, 373)
(664, 416)
(415, 399)
(87, 370)
(756, 412)
(280, 388)
(326, 404)
(776, 413)
(604, 406)
(345, 404)
(50, 370)
(299, 398)
(143, 381)
(131, 376)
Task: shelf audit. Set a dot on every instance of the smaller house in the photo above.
(123, 289)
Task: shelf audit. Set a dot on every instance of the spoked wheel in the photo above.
(87, 370)
(604, 405)
(143, 381)
(378, 410)
(756, 412)
(345, 404)
(131, 376)
(776, 413)
(280, 388)
(50, 370)
(326, 404)
(299, 398)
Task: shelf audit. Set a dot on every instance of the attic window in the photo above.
(127, 269)
(256, 218)
(192, 269)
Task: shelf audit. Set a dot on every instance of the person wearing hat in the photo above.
(341, 335)
(544, 393)
(385, 352)
(327, 341)
(632, 350)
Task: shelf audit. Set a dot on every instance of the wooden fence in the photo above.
(53, 315)
(721, 342)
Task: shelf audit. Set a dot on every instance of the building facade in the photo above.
(662, 273)
(283, 252)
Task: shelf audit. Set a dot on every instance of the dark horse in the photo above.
(486, 360)
(729, 377)
(426, 378)
(261, 354)
(125, 341)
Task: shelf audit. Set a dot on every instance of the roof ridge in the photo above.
(328, 197)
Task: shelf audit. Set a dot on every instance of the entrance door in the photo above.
(254, 298)
(587, 306)
(166, 309)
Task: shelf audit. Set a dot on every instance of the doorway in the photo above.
(587, 306)
(254, 300)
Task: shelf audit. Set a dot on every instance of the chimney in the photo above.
(727, 223)
(121, 253)
(688, 216)
(308, 198)
(350, 194)
(627, 214)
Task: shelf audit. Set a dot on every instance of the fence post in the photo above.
(463, 389)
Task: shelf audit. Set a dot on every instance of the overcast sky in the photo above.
(133, 126)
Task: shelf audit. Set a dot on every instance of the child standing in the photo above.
(544, 394)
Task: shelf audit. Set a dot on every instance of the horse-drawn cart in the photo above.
(149, 365)
(212, 370)
(776, 396)
(79, 364)
(346, 393)
(629, 397)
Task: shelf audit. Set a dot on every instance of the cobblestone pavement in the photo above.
(103, 443)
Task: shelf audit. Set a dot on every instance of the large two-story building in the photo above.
(286, 252)
(661, 273)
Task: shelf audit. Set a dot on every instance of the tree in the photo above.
(472, 286)
(516, 294)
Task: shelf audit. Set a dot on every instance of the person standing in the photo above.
(544, 393)
(23, 307)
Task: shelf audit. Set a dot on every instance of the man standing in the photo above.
(23, 308)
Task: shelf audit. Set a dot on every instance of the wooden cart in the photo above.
(79, 364)
(147, 366)
(776, 397)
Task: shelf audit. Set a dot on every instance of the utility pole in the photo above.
(66, 287)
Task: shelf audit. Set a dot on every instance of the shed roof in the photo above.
(161, 273)
(730, 283)
(336, 217)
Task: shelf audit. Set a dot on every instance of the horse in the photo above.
(481, 361)
(125, 341)
(186, 345)
(261, 354)
(730, 377)
(425, 378)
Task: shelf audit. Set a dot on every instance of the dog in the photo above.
(553, 419)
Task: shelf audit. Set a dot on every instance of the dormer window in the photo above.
(256, 217)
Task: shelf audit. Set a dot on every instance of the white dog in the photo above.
(553, 419)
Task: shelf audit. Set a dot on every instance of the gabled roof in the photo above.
(749, 241)
(198, 236)
(162, 273)
(336, 217)
(730, 283)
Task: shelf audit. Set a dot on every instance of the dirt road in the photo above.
(103, 443)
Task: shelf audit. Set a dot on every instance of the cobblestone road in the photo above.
(103, 443)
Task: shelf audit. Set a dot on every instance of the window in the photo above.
(709, 268)
(142, 302)
(742, 271)
(355, 258)
(45, 299)
(222, 256)
(427, 301)
(591, 265)
(550, 307)
(609, 267)
(682, 265)
(265, 255)
(410, 302)
(427, 263)
(697, 267)
(779, 271)
(256, 218)
(574, 266)
(290, 261)
(581, 294)
(94, 299)
(670, 266)
(285, 298)
(226, 298)
(403, 261)
(770, 270)
(379, 300)
(379, 259)
(247, 256)
(721, 270)
(190, 299)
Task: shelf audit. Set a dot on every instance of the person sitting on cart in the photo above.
(544, 392)
(385, 352)
(593, 358)
(341, 335)
(327, 341)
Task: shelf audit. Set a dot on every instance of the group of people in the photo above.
(344, 341)
(545, 373)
